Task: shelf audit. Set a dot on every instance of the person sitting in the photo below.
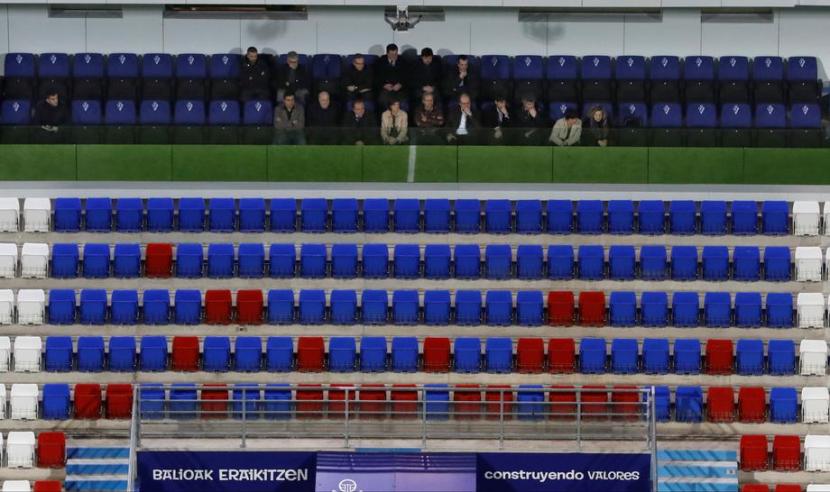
(567, 130)
(390, 75)
(359, 125)
(357, 81)
(289, 121)
(394, 123)
(597, 127)
(461, 80)
(50, 113)
(426, 75)
(322, 121)
(498, 118)
(255, 77)
(428, 119)
(462, 123)
(530, 122)
(292, 77)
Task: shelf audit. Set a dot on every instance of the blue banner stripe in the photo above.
(695, 455)
(697, 487)
(97, 452)
(697, 471)
(95, 485)
(96, 469)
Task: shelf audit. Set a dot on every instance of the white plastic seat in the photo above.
(24, 398)
(814, 405)
(816, 453)
(806, 218)
(36, 214)
(34, 260)
(2, 401)
(20, 449)
(31, 306)
(8, 260)
(5, 353)
(813, 357)
(27, 352)
(17, 486)
(9, 214)
(814, 487)
(6, 306)
(808, 260)
(810, 309)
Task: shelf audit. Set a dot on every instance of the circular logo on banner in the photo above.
(347, 485)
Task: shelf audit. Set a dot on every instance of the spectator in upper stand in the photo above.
(390, 75)
(462, 123)
(360, 126)
(426, 75)
(597, 127)
(289, 121)
(357, 81)
(255, 77)
(567, 130)
(461, 80)
(530, 122)
(394, 124)
(322, 121)
(292, 77)
(50, 113)
(428, 119)
(498, 118)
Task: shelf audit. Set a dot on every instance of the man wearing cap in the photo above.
(426, 75)
(255, 77)
(292, 77)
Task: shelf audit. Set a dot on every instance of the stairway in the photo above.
(694, 470)
(97, 468)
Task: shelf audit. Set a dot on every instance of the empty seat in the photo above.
(746, 262)
(528, 216)
(436, 354)
(160, 214)
(561, 355)
(313, 260)
(499, 355)
(689, 404)
(156, 306)
(744, 217)
(126, 260)
(684, 262)
(717, 309)
(775, 217)
(251, 260)
(814, 405)
(748, 309)
(786, 453)
(188, 307)
(282, 260)
(589, 216)
(467, 259)
(65, 260)
(375, 260)
(530, 402)
(159, 260)
(560, 262)
(530, 355)
(24, 403)
(656, 356)
(783, 405)
(592, 355)
(651, 217)
(185, 353)
(813, 357)
(67, 214)
(314, 215)
(687, 356)
(808, 263)
(624, 356)
(376, 215)
(279, 354)
(715, 264)
(216, 354)
(280, 306)
(191, 214)
(222, 215)
(498, 216)
(810, 309)
(98, 214)
(499, 308)
(61, 306)
(529, 308)
(437, 215)
(654, 308)
(129, 214)
(653, 262)
(685, 307)
(37, 213)
(283, 215)
(719, 356)
(90, 354)
(55, 401)
(749, 357)
(342, 354)
(591, 308)
(31, 306)
(122, 354)
(404, 354)
(561, 308)
(247, 354)
(620, 216)
(777, 263)
(591, 262)
(93, 308)
(183, 401)
(806, 216)
(622, 309)
(8, 260)
(753, 453)
(621, 262)
(20, 449)
(374, 306)
(560, 216)
(713, 217)
(153, 353)
(406, 215)
(682, 217)
(34, 260)
(312, 306)
(5, 354)
(437, 261)
(752, 407)
(51, 449)
(498, 261)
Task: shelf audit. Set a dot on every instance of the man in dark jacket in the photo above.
(357, 81)
(462, 122)
(321, 121)
(255, 77)
(292, 77)
(360, 127)
(426, 75)
(461, 79)
(499, 119)
(50, 113)
(531, 122)
(390, 75)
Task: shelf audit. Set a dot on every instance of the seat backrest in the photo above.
(528, 67)
(15, 112)
(770, 116)
(120, 113)
(495, 67)
(596, 67)
(157, 66)
(605, 105)
(631, 68)
(326, 66)
(225, 66)
(737, 115)
(557, 110)
(86, 113)
(768, 68)
(805, 115)
(122, 65)
(733, 68)
(701, 115)
(258, 113)
(155, 113)
(19, 65)
(191, 66)
(562, 67)
(189, 113)
(666, 115)
(664, 67)
(628, 111)
(53, 65)
(699, 68)
(802, 68)
(223, 113)
(88, 65)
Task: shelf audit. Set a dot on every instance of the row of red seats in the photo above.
(781, 487)
(89, 401)
(786, 453)
(48, 486)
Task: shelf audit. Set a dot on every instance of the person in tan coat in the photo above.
(394, 124)
(567, 130)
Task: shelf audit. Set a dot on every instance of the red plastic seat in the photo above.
(119, 401)
(215, 401)
(562, 403)
(530, 355)
(158, 260)
(249, 307)
(625, 404)
(498, 401)
(218, 307)
(719, 359)
(720, 404)
(561, 355)
(185, 354)
(594, 403)
(51, 449)
(436, 354)
(787, 487)
(786, 453)
(467, 402)
(338, 394)
(754, 487)
(752, 404)
(592, 308)
(753, 452)
(311, 354)
(561, 308)
(48, 486)
(404, 401)
(309, 401)
(87, 401)
(372, 401)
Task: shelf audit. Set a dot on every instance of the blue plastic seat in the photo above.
(373, 354)
(499, 307)
(781, 357)
(624, 356)
(283, 215)
(715, 263)
(651, 217)
(343, 307)
(375, 261)
(684, 262)
(376, 215)
(96, 260)
(783, 405)
(344, 215)
(530, 402)
(746, 262)
(251, 214)
(405, 307)
(437, 260)
(126, 260)
(682, 217)
(216, 354)
(744, 217)
(407, 261)
(467, 353)
(591, 262)
(404, 354)
(156, 306)
(220, 260)
(713, 217)
(188, 306)
(749, 357)
(529, 262)
(623, 309)
(467, 258)
(245, 399)
(687, 356)
(437, 215)
(312, 307)
(560, 216)
(655, 309)
(344, 260)
(247, 354)
(67, 214)
(777, 264)
(620, 216)
(717, 309)
(779, 310)
(282, 260)
(191, 214)
(314, 215)
(251, 263)
(151, 401)
(499, 352)
(748, 309)
(529, 308)
(189, 260)
(58, 354)
(153, 353)
(592, 355)
(277, 404)
(55, 401)
(437, 307)
(560, 262)
(342, 354)
(407, 215)
(498, 261)
(775, 217)
(279, 354)
(589, 217)
(122, 354)
(685, 308)
(61, 306)
(655, 356)
(65, 260)
(653, 263)
(222, 217)
(688, 404)
(436, 401)
(183, 403)
(467, 216)
(468, 307)
(529, 216)
(312, 260)
(160, 214)
(374, 305)
(498, 216)
(622, 262)
(662, 403)
(93, 308)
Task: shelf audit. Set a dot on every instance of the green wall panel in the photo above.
(482, 164)
(436, 164)
(219, 163)
(38, 162)
(787, 166)
(695, 165)
(125, 162)
(315, 163)
(385, 163)
(600, 165)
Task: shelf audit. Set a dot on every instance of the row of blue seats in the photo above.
(626, 356)
(412, 215)
(468, 307)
